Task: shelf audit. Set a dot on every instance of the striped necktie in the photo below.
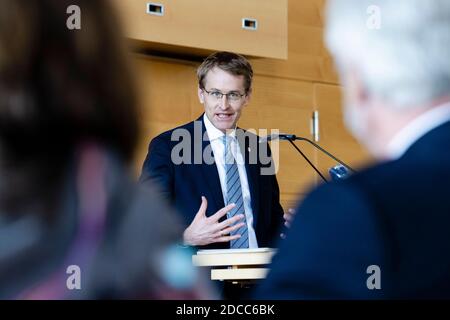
(234, 195)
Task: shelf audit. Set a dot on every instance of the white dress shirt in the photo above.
(417, 128)
(218, 148)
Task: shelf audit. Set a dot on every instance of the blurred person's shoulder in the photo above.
(379, 185)
(141, 232)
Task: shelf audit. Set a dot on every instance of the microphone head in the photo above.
(339, 172)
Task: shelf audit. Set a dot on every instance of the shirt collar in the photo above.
(417, 128)
(213, 132)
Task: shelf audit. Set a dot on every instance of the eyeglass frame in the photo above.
(226, 94)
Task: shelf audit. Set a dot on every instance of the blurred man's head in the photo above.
(393, 60)
(59, 88)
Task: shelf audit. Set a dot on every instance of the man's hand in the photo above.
(288, 218)
(205, 230)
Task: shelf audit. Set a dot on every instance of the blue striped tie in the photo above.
(234, 195)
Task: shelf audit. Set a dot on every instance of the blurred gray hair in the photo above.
(407, 60)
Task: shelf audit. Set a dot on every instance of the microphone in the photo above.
(338, 172)
(275, 136)
(292, 137)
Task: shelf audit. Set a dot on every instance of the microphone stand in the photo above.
(292, 138)
(326, 152)
(306, 158)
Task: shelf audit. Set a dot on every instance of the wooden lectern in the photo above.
(236, 265)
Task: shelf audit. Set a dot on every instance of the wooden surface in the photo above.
(211, 24)
(243, 264)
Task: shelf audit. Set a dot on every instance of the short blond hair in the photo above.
(227, 61)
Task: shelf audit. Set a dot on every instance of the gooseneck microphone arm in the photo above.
(306, 158)
(294, 137)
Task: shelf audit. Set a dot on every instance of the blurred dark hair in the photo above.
(231, 62)
(58, 89)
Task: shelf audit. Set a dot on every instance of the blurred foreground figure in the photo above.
(384, 232)
(72, 223)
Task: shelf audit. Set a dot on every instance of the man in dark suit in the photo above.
(215, 173)
(385, 231)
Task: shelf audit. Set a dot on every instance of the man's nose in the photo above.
(224, 103)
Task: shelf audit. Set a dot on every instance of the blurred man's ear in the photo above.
(356, 92)
(201, 96)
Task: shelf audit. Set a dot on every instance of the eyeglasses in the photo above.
(231, 96)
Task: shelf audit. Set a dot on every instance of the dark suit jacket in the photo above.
(395, 215)
(184, 184)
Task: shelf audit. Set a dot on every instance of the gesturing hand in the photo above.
(205, 230)
(288, 218)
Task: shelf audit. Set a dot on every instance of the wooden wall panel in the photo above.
(167, 91)
(210, 25)
(285, 105)
(307, 57)
(334, 136)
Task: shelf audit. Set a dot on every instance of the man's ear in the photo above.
(201, 96)
(248, 97)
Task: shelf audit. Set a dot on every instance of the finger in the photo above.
(233, 228)
(282, 236)
(288, 217)
(287, 224)
(227, 238)
(292, 211)
(219, 214)
(229, 222)
(201, 213)
(203, 206)
(228, 230)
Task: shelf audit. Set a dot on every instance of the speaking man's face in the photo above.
(224, 98)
